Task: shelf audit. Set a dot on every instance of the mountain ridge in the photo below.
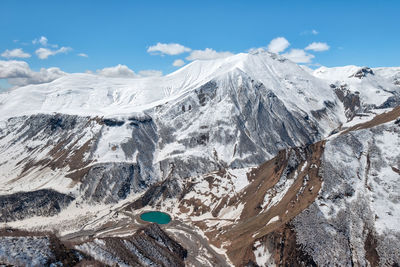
(247, 153)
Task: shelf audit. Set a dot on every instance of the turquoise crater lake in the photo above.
(156, 216)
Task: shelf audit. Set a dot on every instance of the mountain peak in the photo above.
(88, 94)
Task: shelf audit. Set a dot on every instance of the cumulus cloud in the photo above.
(299, 56)
(15, 53)
(278, 45)
(119, 71)
(19, 73)
(207, 53)
(317, 46)
(83, 55)
(168, 49)
(44, 53)
(150, 73)
(42, 40)
(123, 71)
(178, 63)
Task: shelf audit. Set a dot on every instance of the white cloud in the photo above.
(256, 50)
(42, 40)
(44, 53)
(122, 71)
(19, 73)
(168, 49)
(14, 69)
(150, 73)
(299, 56)
(317, 46)
(178, 63)
(278, 45)
(119, 71)
(15, 53)
(312, 32)
(83, 55)
(207, 53)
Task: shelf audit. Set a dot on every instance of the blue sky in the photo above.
(120, 32)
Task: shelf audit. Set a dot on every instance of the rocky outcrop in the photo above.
(350, 100)
(23, 205)
(167, 189)
(149, 246)
(23, 248)
(363, 72)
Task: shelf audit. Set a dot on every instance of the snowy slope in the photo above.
(375, 86)
(88, 94)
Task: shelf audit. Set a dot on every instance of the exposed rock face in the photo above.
(70, 155)
(111, 182)
(22, 248)
(23, 205)
(149, 246)
(252, 125)
(363, 72)
(158, 192)
(351, 101)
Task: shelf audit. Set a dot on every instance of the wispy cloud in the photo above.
(317, 47)
(207, 53)
(298, 56)
(178, 63)
(278, 45)
(168, 49)
(42, 40)
(83, 55)
(312, 32)
(44, 53)
(15, 53)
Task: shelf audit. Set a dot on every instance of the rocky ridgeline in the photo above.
(148, 246)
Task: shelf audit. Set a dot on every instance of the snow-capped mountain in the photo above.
(246, 153)
(234, 112)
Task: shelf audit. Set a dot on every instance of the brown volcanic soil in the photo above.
(253, 223)
(377, 120)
